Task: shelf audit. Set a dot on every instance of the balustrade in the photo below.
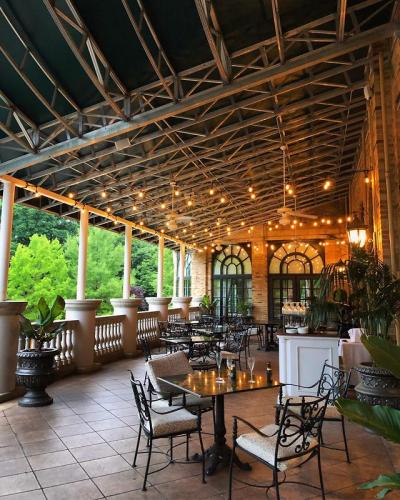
(148, 325)
(108, 337)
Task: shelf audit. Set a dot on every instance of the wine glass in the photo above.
(251, 360)
(229, 365)
(218, 359)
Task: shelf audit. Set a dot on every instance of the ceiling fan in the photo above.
(286, 213)
(173, 217)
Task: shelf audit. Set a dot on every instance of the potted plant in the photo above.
(243, 309)
(374, 304)
(380, 419)
(35, 368)
(207, 305)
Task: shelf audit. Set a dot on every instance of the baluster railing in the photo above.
(194, 312)
(148, 325)
(174, 314)
(108, 337)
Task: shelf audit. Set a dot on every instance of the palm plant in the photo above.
(383, 420)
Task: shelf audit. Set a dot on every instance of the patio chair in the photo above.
(333, 381)
(148, 355)
(167, 423)
(173, 364)
(293, 442)
(234, 346)
(254, 331)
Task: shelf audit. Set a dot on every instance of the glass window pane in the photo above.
(295, 267)
(247, 266)
(317, 265)
(217, 267)
(274, 267)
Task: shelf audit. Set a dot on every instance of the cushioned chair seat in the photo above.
(229, 355)
(264, 447)
(180, 421)
(192, 402)
(331, 410)
(171, 364)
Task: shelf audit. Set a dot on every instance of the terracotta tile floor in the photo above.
(82, 446)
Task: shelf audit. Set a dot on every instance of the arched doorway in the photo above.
(293, 272)
(231, 279)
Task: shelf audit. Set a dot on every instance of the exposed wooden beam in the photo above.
(278, 30)
(341, 20)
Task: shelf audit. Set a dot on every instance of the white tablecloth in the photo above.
(353, 354)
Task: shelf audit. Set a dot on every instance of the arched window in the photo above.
(231, 279)
(294, 269)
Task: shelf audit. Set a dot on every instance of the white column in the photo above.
(9, 335)
(126, 292)
(129, 308)
(175, 262)
(181, 291)
(82, 255)
(7, 211)
(160, 272)
(84, 311)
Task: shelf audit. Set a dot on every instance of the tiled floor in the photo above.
(82, 446)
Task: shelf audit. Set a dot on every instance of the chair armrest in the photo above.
(298, 387)
(236, 418)
(175, 409)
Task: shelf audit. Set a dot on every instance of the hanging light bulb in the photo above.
(177, 192)
(250, 189)
(222, 199)
(71, 195)
(134, 208)
(108, 209)
(103, 194)
(163, 205)
(211, 191)
(242, 223)
(253, 196)
(141, 194)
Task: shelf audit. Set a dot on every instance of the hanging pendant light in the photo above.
(357, 232)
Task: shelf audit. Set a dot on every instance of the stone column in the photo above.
(184, 304)
(85, 312)
(159, 304)
(9, 334)
(160, 269)
(129, 308)
(82, 255)
(7, 211)
(181, 288)
(126, 292)
(175, 262)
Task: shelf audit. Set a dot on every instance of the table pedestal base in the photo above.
(216, 455)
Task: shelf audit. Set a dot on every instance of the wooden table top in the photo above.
(193, 339)
(203, 384)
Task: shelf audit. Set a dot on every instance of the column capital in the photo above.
(182, 300)
(158, 300)
(128, 303)
(82, 305)
(12, 307)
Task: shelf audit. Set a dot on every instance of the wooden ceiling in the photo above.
(219, 124)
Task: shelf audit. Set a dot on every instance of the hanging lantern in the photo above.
(357, 232)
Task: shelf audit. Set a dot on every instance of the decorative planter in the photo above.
(35, 371)
(377, 386)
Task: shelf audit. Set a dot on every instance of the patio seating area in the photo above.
(217, 187)
(83, 445)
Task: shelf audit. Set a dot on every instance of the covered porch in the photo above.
(248, 139)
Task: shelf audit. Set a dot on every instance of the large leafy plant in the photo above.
(383, 420)
(373, 292)
(43, 329)
(207, 304)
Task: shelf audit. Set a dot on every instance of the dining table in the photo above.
(203, 385)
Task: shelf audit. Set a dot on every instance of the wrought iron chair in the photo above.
(293, 442)
(161, 395)
(234, 346)
(333, 381)
(254, 331)
(148, 355)
(167, 423)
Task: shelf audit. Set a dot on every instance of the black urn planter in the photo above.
(35, 371)
(377, 386)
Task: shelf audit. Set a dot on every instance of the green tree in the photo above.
(104, 266)
(38, 269)
(29, 221)
(168, 273)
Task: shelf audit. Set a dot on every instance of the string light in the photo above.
(287, 187)
(190, 223)
(340, 220)
(348, 219)
(71, 195)
(269, 223)
(134, 208)
(251, 228)
(315, 224)
(242, 223)
(108, 209)
(103, 194)
(327, 185)
(270, 229)
(222, 199)
(211, 191)
(301, 224)
(162, 205)
(141, 194)
(272, 247)
(177, 192)
(253, 196)
(290, 191)
(250, 189)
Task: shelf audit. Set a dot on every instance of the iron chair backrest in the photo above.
(142, 405)
(300, 427)
(236, 341)
(334, 382)
(144, 344)
(163, 328)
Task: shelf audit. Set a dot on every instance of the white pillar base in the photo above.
(129, 308)
(184, 304)
(85, 312)
(159, 304)
(9, 334)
